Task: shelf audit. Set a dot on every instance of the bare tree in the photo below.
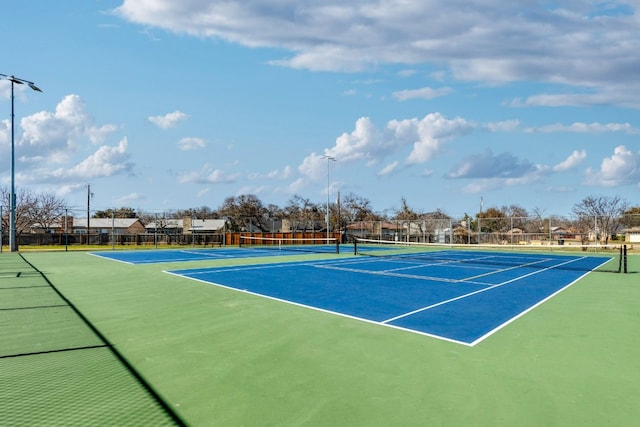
(302, 212)
(244, 212)
(356, 208)
(26, 204)
(518, 216)
(49, 210)
(32, 210)
(599, 215)
(203, 212)
(405, 212)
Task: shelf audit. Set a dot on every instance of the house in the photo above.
(293, 226)
(99, 226)
(632, 235)
(187, 225)
(203, 226)
(373, 229)
(165, 226)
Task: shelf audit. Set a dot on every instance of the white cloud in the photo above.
(5, 132)
(187, 144)
(362, 143)
(503, 126)
(56, 136)
(203, 192)
(311, 167)
(367, 143)
(207, 176)
(579, 127)
(407, 73)
(277, 174)
(480, 185)
(578, 44)
(389, 169)
(297, 186)
(622, 168)
(131, 198)
(169, 120)
(488, 165)
(64, 189)
(422, 93)
(256, 190)
(574, 159)
(280, 174)
(608, 94)
(428, 135)
(104, 162)
(370, 144)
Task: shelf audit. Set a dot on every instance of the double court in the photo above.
(458, 296)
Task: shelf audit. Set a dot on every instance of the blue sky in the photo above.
(161, 105)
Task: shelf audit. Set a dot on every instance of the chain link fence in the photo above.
(157, 230)
(502, 230)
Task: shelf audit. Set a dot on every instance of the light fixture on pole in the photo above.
(12, 202)
(327, 218)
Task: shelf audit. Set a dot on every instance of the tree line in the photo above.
(602, 213)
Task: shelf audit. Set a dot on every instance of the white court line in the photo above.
(207, 270)
(207, 254)
(109, 258)
(477, 292)
(328, 264)
(390, 273)
(510, 268)
(337, 313)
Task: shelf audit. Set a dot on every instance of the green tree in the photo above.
(631, 217)
(122, 212)
(492, 220)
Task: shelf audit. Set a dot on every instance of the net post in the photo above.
(624, 257)
(355, 246)
(337, 246)
(620, 258)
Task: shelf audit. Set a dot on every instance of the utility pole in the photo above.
(328, 217)
(89, 194)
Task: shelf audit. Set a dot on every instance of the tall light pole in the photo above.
(12, 216)
(329, 160)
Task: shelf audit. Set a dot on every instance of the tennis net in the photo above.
(305, 244)
(602, 258)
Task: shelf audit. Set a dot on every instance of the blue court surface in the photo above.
(179, 255)
(463, 299)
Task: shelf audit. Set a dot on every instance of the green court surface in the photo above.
(221, 357)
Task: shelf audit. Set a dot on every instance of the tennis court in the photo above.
(459, 296)
(181, 255)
